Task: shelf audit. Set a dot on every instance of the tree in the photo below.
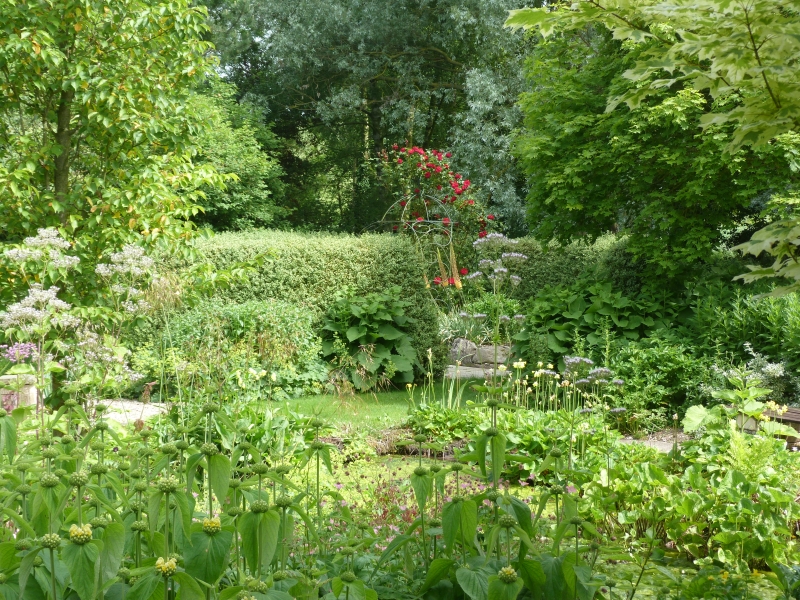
(236, 142)
(96, 136)
(649, 171)
(342, 79)
(742, 53)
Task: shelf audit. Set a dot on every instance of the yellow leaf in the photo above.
(36, 48)
(78, 26)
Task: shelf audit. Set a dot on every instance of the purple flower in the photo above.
(19, 352)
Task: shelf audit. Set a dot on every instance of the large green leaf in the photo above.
(474, 583)
(498, 445)
(499, 590)
(533, 575)
(469, 522)
(111, 554)
(146, 587)
(207, 557)
(422, 489)
(220, 474)
(81, 561)
(188, 588)
(439, 568)
(248, 529)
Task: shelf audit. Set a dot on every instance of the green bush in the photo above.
(366, 336)
(275, 336)
(314, 270)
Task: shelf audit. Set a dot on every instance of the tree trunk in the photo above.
(64, 140)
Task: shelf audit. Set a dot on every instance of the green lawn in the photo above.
(370, 411)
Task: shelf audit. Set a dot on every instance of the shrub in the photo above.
(274, 335)
(314, 270)
(560, 265)
(367, 337)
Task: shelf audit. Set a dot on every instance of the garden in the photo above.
(442, 301)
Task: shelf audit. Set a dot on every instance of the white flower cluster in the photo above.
(46, 245)
(39, 305)
(130, 261)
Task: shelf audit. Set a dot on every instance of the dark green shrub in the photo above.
(313, 270)
(368, 337)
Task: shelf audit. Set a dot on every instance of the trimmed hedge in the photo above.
(312, 270)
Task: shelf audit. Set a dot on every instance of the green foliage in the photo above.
(737, 53)
(341, 79)
(236, 142)
(313, 270)
(661, 372)
(97, 138)
(369, 335)
(650, 171)
(495, 306)
(274, 335)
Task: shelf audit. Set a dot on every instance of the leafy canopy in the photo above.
(650, 171)
(96, 138)
(740, 52)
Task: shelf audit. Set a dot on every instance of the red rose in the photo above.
(419, 164)
(458, 175)
(437, 280)
(403, 203)
(394, 146)
(446, 221)
(438, 169)
(394, 228)
(438, 187)
(481, 234)
(452, 281)
(420, 219)
(490, 217)
(427, 174)
(416, 191)
(399, 161)
(448, 154)
(464, 271)
(470, 202)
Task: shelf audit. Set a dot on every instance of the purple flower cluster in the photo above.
(19, 352)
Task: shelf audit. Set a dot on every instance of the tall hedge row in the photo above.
(311, 269)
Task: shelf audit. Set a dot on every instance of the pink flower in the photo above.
(464, 271)
(490, 217)
(399, 161)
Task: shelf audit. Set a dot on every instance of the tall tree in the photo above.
(95, 135)
(651, 171)
(341, 79)
(742, 53)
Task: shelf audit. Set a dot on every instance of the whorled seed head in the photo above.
(51, 541)
(283, 502)
(507, 521)
(48, 480)
(78, 479)
(507, 575)
(212, 526)
(209, 449)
